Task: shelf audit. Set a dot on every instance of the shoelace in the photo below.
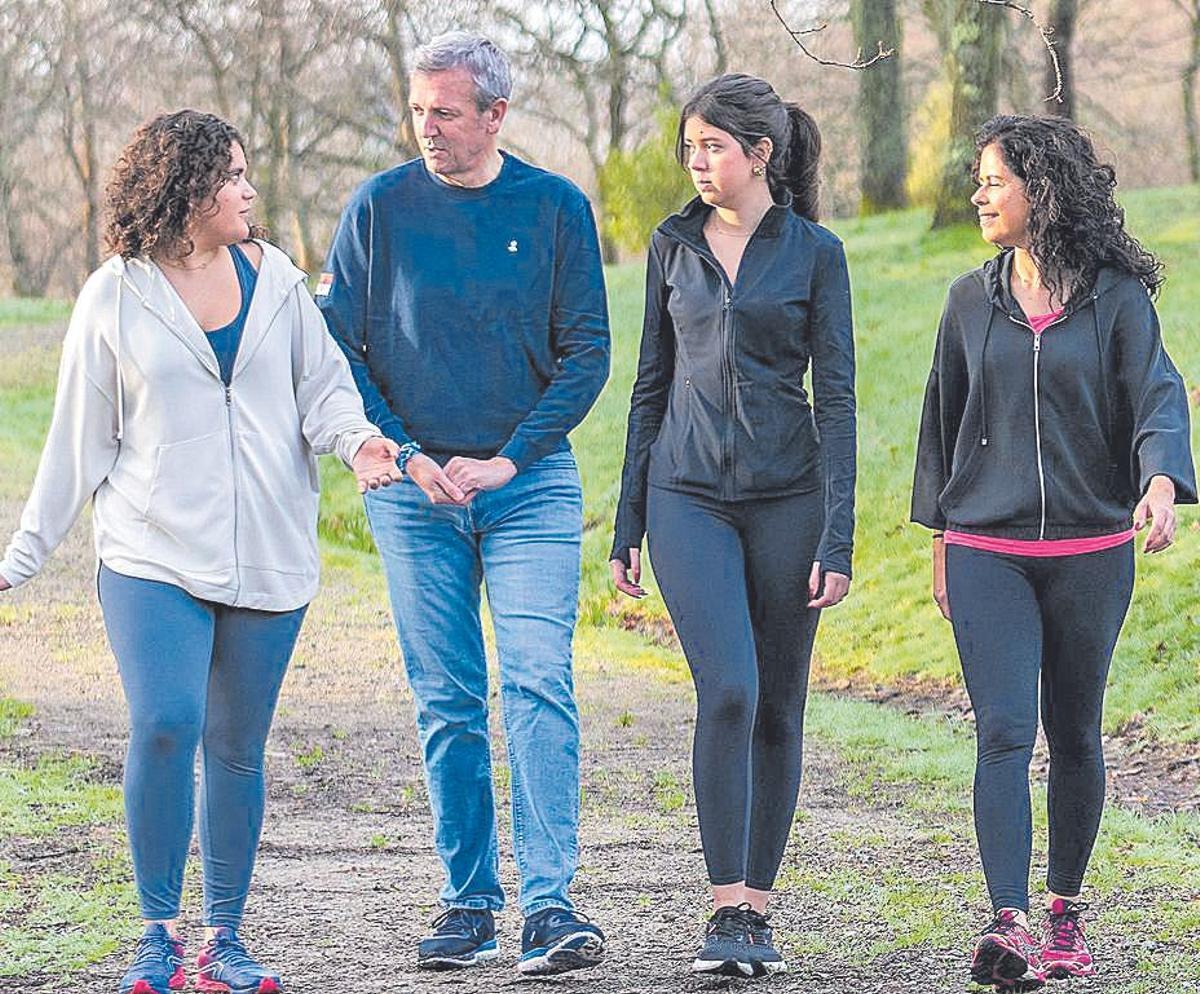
(1002, 923)
(556, 916)
(463, 918)
(228, 948)
(759, 927)
(1065, 929)
(729, 923)
(153, 947)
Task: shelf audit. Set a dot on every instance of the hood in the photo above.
(996, 275)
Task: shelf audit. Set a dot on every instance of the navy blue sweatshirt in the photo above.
(474, 320)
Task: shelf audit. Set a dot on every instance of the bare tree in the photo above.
(1063, 17)
(1187, 79)
(884, 152)
(604, 52)
(26, 91)
(972, 61)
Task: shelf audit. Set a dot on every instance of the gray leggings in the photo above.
(734, 576)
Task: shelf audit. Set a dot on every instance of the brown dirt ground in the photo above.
(347, 874)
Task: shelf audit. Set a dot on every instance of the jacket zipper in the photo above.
(728, 376)
(1037, 431)
(1037, 415)
(233, 462)
(730, 389)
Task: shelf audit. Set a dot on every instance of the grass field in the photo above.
(889, 628)
(1144, 869)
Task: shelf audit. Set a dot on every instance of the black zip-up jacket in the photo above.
(719, 406)
(1048, 436)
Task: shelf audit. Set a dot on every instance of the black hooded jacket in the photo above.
(719, 406)
(1054, 435)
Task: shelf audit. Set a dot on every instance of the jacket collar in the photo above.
(687, 225)
(277, 276)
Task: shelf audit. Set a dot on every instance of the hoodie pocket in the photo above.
(278, 505)
(190, 508)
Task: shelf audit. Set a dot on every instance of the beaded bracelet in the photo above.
(407, 451)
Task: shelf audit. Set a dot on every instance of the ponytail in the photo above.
(749, 109)
(801, 174)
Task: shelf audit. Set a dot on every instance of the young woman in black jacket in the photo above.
(746, 497)
(1054, 427)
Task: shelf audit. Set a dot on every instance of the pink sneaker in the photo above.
(1007, 955)
(1064, 951)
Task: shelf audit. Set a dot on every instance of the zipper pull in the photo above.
(725, 303)
(228, 397)
(1037, 341)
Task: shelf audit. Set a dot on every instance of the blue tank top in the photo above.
(225, 341)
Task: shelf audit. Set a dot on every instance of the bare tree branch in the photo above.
(858, 63)
(1047, 40)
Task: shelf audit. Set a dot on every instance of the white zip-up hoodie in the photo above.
(212, 489)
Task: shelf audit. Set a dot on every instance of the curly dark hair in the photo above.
(1075, 223)
(164, 179)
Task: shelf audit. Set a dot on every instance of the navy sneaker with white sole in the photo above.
(461, 937)
(767, 959)
(556, 940)
(728, 947)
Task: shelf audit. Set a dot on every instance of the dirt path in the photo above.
(347, 873)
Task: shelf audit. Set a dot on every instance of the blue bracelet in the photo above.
(407, 451)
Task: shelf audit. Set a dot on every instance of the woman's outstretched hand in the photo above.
(627, 579)
(375, 464)
(836, 587)
(1159, 507)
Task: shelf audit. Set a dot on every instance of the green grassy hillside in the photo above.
(888, 629)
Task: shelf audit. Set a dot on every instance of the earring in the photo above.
(757, 170)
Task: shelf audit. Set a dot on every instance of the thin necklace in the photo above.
(191, 269)
(727, 232)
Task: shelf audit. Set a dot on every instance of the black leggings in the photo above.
(1018, 620)
(735, 580)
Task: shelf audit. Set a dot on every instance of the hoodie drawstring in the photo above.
(987, 334)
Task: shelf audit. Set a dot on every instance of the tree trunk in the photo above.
(1191, 124)
(884, 154)
(1062, 20)
(973, 67)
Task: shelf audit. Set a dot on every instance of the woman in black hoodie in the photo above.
(1054, 427)
(745, 490)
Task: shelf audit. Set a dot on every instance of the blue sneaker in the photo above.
(729, 946)
(461, 937)
(157, 966)
(556, 940)
(226, 968)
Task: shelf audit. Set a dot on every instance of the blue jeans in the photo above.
(523, 542)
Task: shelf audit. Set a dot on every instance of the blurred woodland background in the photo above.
(318, 88)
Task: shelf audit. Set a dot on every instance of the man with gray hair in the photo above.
(466, 289)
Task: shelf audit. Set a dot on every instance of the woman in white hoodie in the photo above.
(196, 387)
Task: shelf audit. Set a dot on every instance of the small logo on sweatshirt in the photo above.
(512, 246)
(324, 285)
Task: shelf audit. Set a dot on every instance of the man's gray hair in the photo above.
(489, 67)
